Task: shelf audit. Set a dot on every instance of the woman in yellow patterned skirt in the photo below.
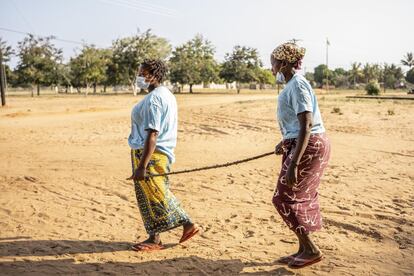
(152, 140)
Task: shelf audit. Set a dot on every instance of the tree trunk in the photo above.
(177, 89)
(32, 92)
(191, 88)
(238, 88)
(94, 88)
(104, 88)
(87, 90)
(38, 89)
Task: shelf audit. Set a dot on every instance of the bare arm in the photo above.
(305, 122)
(149, 148)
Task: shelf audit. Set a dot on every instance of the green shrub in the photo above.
(372, 88)
(336, 110)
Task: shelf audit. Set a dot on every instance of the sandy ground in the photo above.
(66, 208)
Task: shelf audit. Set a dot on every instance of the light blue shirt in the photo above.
(295, 98)
(157, 111)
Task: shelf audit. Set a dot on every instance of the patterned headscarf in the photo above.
(289, 52)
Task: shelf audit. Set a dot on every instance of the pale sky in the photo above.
(374, 31)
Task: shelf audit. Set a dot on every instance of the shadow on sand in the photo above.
(193, 265)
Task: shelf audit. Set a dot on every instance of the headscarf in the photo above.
(289, 52)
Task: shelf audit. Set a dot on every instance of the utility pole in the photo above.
(327, 66)
(294, 40)
(2, 80)
(384, 72)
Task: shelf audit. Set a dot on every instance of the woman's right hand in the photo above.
(279, 148)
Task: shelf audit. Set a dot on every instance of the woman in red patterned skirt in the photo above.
(305, 149)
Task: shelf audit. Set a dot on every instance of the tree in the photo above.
(89, 67)
(408, 60)
(193, 63)
(265, 76)
(310, 76)
(11, 76)
(241, 66)
(63, 75)
(130, 52)
(355, 74)
(371, 72)
(391, 75)
(321, 74)
(39, 60)
(340, 77)
(410, 76)
(6, 50)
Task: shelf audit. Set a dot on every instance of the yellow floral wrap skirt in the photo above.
(160, 210)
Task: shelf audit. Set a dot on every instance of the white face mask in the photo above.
(280, 78)
(141, 83)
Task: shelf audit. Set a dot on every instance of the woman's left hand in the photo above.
(138, 175)
(291, 175)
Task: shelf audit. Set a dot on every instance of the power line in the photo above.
(22, 16)
(141, 6)
(52, 36)
(151, 6)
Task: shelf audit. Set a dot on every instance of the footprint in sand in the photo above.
(43, 215)
(248, 234)
(234, 227)
(30, 178)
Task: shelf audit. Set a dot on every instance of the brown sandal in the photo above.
(144, 246)
(190, 234)
(299, 263)
(286, 259)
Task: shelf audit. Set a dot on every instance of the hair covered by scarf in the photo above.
(289, 52)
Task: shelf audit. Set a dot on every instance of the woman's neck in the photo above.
(289, 75)
(153, 86)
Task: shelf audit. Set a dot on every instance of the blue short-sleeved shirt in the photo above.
(295, 98)
(157, 111)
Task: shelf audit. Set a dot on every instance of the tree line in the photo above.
(40, 63)
(389, 75)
